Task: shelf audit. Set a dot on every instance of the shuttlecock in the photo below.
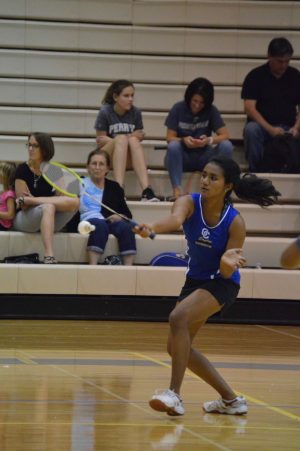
(85, 227)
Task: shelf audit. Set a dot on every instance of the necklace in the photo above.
(36, 178)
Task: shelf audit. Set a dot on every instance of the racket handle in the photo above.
(135, 224)
(152, 235)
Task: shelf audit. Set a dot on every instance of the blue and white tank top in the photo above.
(206, 244)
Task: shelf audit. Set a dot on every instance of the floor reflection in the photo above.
(165, 438)
(229, 424)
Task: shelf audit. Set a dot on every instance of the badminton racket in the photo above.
(69, 183)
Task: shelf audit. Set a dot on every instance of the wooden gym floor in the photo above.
(85, 385)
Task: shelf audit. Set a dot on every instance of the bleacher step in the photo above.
(71, 247)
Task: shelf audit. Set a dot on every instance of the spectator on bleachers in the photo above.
(40, 208)
(7, 195)
(290, 258)
(111, 194)
(120, 132)
(195, 133)
(271, 94)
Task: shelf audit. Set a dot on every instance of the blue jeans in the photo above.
(180, 159)
(255, 139)
(120, 229)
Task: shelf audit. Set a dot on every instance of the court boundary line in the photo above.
(280, 332)
(147, 411)
(162, 425)
(250, 398)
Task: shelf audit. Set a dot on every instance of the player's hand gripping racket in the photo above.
(67, 182)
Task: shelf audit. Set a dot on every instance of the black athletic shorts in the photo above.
(224, 290)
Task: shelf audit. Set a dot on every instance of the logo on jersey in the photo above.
(120, 127)
(204, 238)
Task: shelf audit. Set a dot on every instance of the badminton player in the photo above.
(215, 234)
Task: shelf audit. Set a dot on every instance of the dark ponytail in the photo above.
(256, 190)
(247, 187)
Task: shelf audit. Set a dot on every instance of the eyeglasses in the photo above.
(34, 146)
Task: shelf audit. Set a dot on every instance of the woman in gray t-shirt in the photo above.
(119, 131)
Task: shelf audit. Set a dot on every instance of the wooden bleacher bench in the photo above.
(77, 122)
(89, 94)
(70, 248)
(286, 184)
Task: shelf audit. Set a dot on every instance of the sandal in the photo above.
(50, 260)
(172, 198)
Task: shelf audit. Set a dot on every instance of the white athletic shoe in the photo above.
(237, 407)
(167, 401)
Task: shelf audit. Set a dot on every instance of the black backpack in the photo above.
(282, 154)
(26, 258)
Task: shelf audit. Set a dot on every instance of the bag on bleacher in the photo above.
(282, 155)
(169, 259)
(26, 258)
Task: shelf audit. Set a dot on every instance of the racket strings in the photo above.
(62, 179)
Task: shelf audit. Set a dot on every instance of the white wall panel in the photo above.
(13, 8)
(140, 40)
(118, 11)
(105, 68)
(12, 33)
(218, 13)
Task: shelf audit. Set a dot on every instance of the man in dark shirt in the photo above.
(271, 95)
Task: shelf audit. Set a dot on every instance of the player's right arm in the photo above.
(181, 210)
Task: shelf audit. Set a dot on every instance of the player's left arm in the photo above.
(233, 258)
